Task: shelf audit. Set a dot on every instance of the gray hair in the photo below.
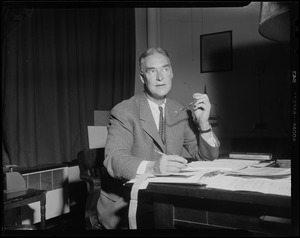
(152, 51)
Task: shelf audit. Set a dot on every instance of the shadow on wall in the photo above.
(256, 92)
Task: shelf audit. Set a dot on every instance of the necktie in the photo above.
(161, 123)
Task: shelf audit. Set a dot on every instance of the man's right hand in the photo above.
(167, 164)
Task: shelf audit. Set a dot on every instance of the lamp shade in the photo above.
(274, 22)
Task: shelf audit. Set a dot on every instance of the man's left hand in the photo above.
(202, 108)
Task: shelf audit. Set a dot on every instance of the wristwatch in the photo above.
(206, 131)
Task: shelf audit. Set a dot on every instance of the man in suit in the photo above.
(133, 139)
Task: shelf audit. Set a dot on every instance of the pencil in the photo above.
(161, 153)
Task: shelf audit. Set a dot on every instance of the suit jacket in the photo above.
(133, 137)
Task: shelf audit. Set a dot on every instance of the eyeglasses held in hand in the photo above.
(187, 106)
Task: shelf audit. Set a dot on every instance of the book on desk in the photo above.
(250, 156)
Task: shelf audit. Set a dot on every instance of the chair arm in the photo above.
(95, 182)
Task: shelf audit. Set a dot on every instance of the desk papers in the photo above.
(220, 164)
(265, 172)
(262, 185)
(229, 174)
(266, 180)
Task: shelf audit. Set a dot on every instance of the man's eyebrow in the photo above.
(166, 65)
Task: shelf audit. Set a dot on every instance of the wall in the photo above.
(253, 98)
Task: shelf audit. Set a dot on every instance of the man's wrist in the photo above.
(204, 127)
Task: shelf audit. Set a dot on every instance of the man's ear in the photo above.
(142, 78)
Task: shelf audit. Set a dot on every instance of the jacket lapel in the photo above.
(172, 120)
(171, 115)
(147, 121)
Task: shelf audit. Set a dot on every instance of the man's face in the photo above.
(157, 76)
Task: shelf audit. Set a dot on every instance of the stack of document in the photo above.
(230, 174)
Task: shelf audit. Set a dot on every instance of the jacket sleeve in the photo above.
(197, 147)
(119, 162)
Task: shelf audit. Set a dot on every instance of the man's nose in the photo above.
(159, 75)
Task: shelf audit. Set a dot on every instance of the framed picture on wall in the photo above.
(216, 52)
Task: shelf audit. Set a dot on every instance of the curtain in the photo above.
(58, 66)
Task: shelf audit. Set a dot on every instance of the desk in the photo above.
(22, 198)
(190, 206)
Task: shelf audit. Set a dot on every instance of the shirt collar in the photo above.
(153, 105)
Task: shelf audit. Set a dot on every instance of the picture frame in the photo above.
(216, 52)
